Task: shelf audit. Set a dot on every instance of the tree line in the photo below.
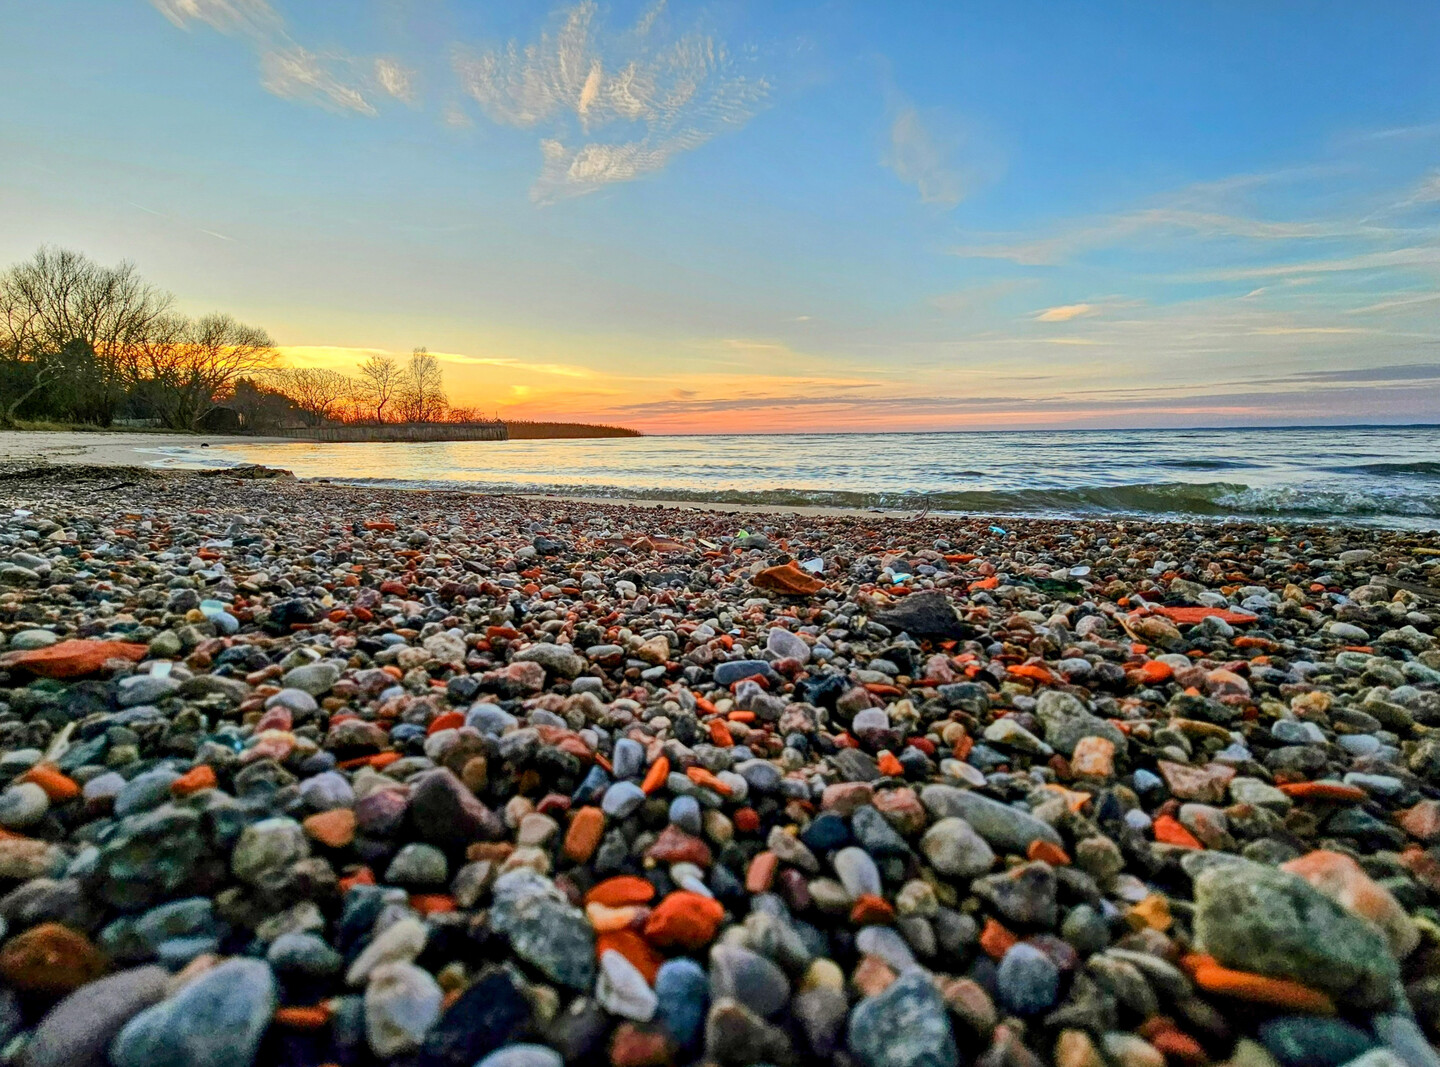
(85, 343)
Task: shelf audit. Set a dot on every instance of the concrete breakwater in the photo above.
(406, 431)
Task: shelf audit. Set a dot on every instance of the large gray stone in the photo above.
(1257, 918)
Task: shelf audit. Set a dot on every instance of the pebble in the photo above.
(1027, 981)
(77, 1031)
(906, 1025)
(402, 1003)
(217, 1019)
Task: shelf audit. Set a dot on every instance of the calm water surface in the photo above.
(1385, 476)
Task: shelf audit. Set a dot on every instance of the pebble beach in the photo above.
(305, 774)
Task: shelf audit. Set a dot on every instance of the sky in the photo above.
(769, 215)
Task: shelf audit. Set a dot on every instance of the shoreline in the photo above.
(149, 451)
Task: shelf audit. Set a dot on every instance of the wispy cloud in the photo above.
(1066, 312)
(919, 158)
(332, 79)
(611, 106)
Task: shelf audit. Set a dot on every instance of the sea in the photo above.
(1381, 476)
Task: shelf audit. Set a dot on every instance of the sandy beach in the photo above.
(107, 449)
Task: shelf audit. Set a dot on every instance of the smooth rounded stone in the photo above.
(1085, 929)
(683, 991)
(786, 645)
(953, 848)
(216, 1019)
(490, 719)
(1007, 829)
(268, 845)
(905, 1025)
(327, 791)
(685, 815)
(524, 1055)
(145, 791)
(23, 805)
(401, 941)
(560, 660)
(857, 872)
(297, 701)
(748, 977)
(305, 954)
(760, 775)
(1313, 1041)
(316, 679)
(622, 799)
(418, 865)
(870, 719)
(622, 990)
(77, 1031)
(1291, 732)
(18, 760)
(1256, 918)
(402, 1003)
(885, 943)
(103, 787)
(141, 689)
(29, 640)
(628, 758)
(1027, 982)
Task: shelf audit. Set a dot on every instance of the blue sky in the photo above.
(833, 215)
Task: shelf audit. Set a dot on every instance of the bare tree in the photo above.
(422, 389)
(317, 391)
(74, 321)
(195, 364)
(379, 383)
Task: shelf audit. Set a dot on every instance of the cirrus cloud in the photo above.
(612, 105)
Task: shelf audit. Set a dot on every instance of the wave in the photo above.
(1187, 499)
(1420, 468)
(1201, 464)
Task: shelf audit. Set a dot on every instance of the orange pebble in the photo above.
(889, 765)
(57, 786)
(761, 874)
(634, 948)
(193, 781)
(1169, 831)
(333, 829)
(657, 774)
(363, 876)
(706, 780)
(432, 903)
(1257, 988)
(622, 890)
(996, 940)
(451, 720)
(746, 820)
(870, 910)
(720, 734)
(1050, 853)
(311, 1018)
(684, 920)
(583, 837)
(1334, 791)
